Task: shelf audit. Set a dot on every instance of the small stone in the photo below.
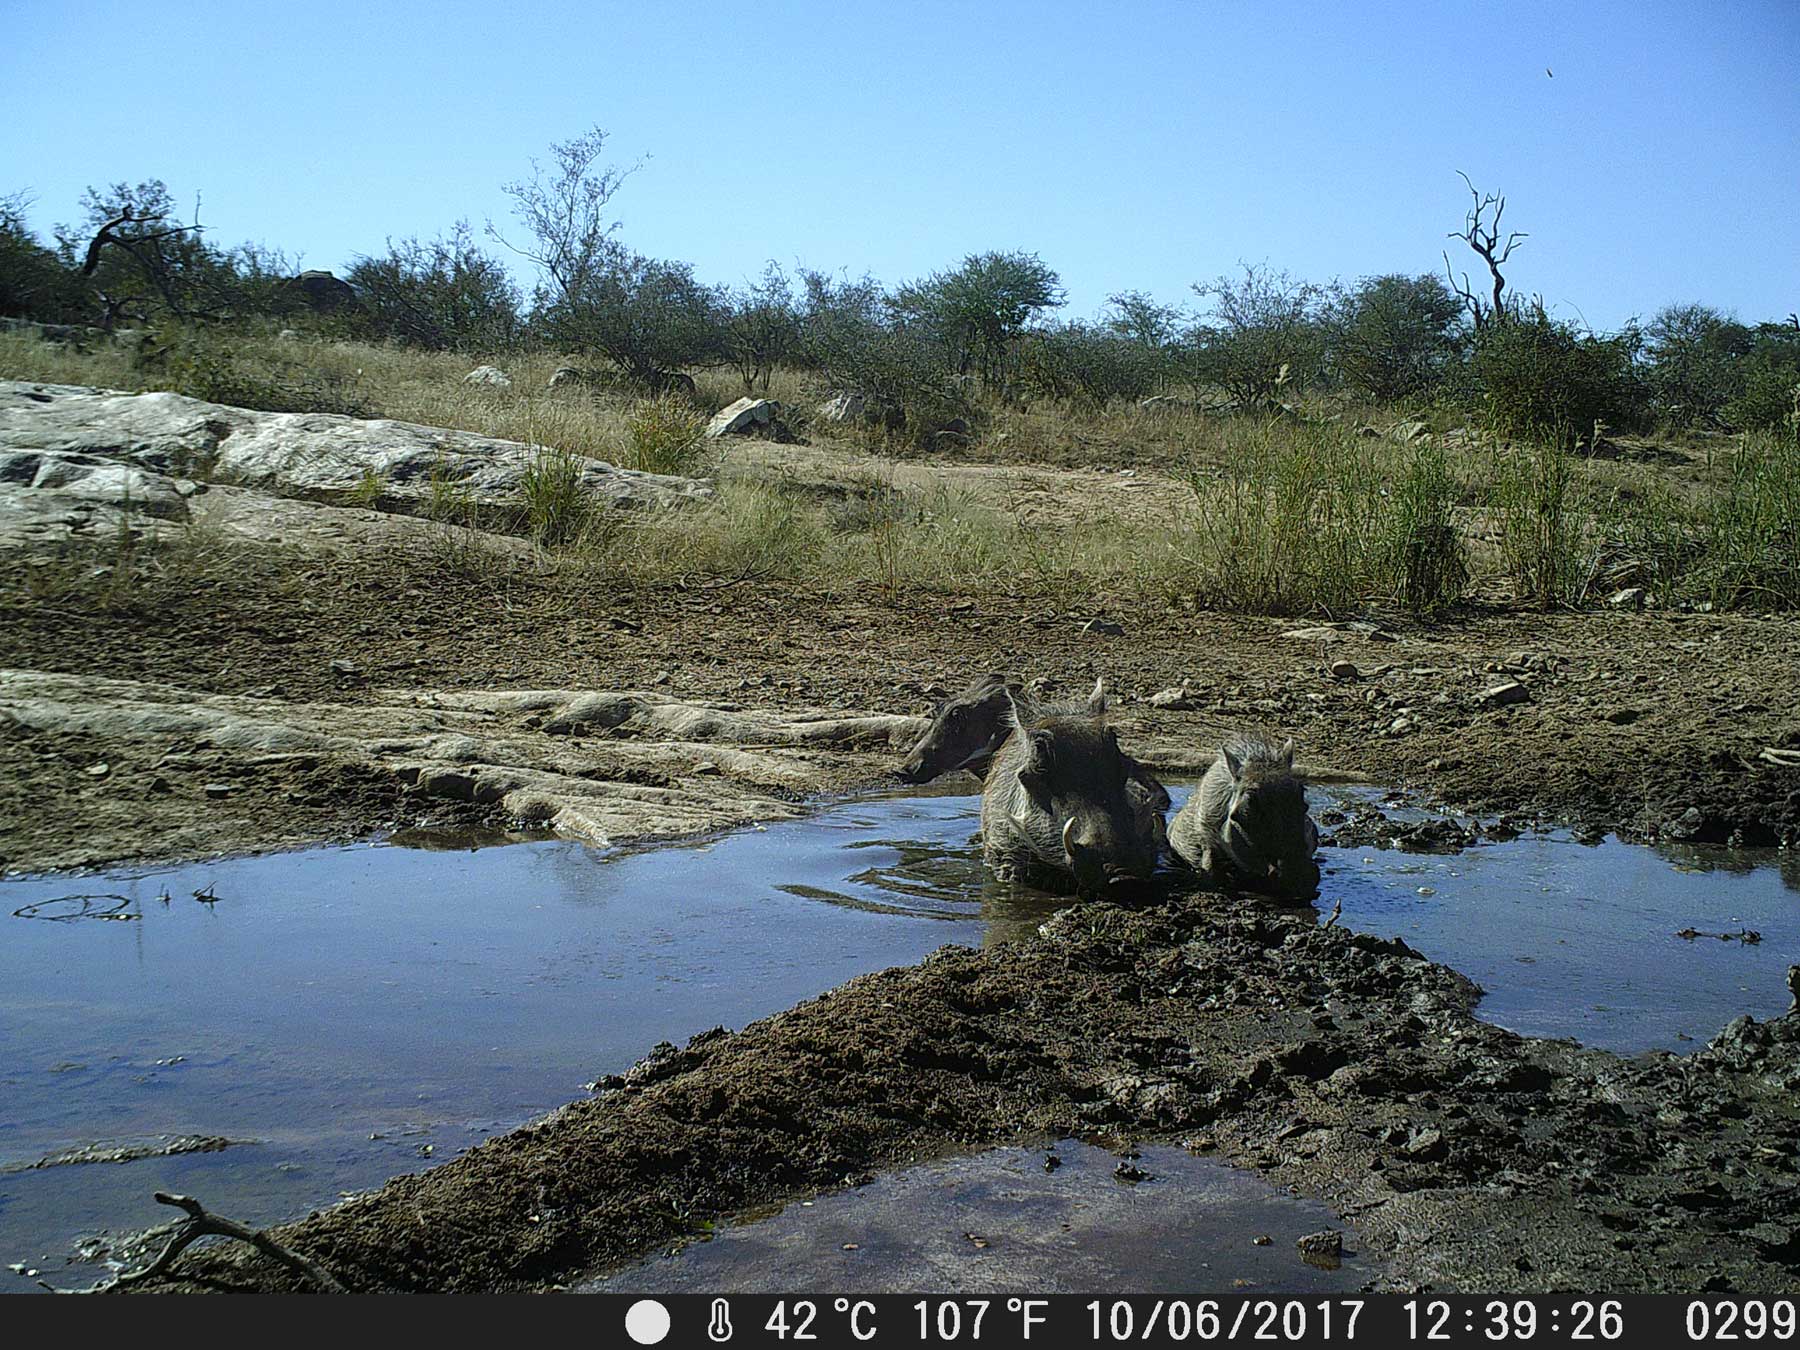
(1503, 695)
(218, 791)
(1262, 1240)
(1174, 699)
(490, 377)
(98, 770)
(706, 768)
(1400, 726)
(1623, 717)
(1104, 628)
(344, 667)
(1631, 597)
(662, 677)
(1344, 670)
(1327, 1242)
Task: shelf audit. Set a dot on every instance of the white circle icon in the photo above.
(646, 1321)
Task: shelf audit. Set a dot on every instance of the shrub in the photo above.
(1695, 362)
(1546, 383)
(443, 295)
(979, 310)
(1263, 333)
(1769, 397)
(1393, 337)
(907, 379)
(1086, 364)
(650, 317)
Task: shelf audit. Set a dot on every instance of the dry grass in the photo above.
(1322, 513)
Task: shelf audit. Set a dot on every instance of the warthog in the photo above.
(967, 730)
(1246, 825)
(1064, 806)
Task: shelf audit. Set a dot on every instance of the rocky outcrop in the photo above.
(63, 446)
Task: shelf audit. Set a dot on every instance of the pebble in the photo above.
(1104, 628)
(1343, 670)
(1501, 695)
(98, 770)
(218, 790)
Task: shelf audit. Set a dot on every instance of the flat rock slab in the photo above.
(81, 445)
(605, 767)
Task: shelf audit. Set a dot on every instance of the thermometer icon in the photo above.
(719, 1328)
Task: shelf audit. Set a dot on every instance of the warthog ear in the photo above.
(1014, 710)
(1233, 763)
(1287, 754)
(1096, 703)
(1039, 747)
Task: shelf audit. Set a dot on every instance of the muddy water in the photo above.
(325, 1019)
(1004, 1222)
(348, 1014)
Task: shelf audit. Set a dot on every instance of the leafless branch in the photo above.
(198, 1224)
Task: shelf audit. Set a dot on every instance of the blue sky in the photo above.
(1130, 145)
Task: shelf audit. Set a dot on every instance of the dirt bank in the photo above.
(1645, 723)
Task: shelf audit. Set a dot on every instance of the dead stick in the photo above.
(199, 1224)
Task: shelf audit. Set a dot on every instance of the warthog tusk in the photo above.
(1068, 829)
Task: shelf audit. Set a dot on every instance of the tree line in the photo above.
(931, 349)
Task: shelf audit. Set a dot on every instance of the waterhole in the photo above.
(269, 1033)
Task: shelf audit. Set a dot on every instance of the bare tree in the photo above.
(1481, 232)
(168, 257)
(564, 208)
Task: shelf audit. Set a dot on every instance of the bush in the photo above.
(1769, 397)
(1546, 383)
(650, 317)
(1085, 364)
(1394, 337)
(1265, 333)
(34, 283)
(905, 377)
(445, 295)
(979, 310)
(1695, 362)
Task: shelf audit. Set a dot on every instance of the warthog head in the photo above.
(965, 731)
(1267, 832)
(1078, 799)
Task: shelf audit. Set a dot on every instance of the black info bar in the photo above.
(1244, 1319)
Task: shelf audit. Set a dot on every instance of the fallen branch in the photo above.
(199, 1224)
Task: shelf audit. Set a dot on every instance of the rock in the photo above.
(956, 426)
(1344, 670)
(743, 418)
(1173, 699)
(1631, 597)
(1400, 726)
(491, 377)
(1319, 634)
(1103, 628)
(1503, 695)
(1327, 1242)
(842, 408)
(1623, 717)
(287, 335)
(100, 446)
(218, 791)
(323, 291)
(567, 377)
(98, 770)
